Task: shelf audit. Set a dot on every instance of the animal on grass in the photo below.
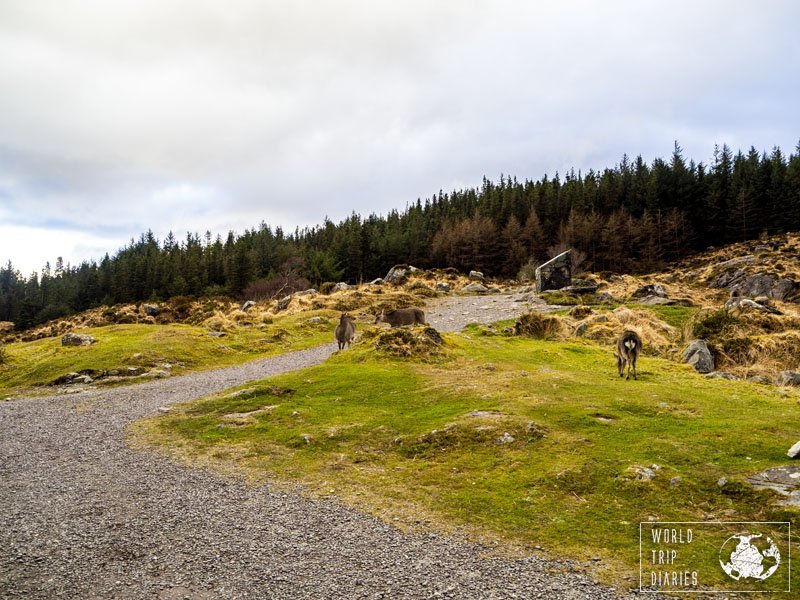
(629, 347)
(345, 330)
(402, 316)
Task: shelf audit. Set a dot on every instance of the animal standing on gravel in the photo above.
(629, 347)
(402, 316)
(345, 330)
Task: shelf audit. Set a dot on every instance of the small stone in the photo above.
(247, 305)
(476, 276)
(794, 451)
(675, 481)
(506, 438)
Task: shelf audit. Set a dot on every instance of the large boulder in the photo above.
(740, 283)
(340, 287)
(476, 276)
(652, 289)
(699, 356)
(442, 286)
(555, 274)
(398, 274)
(151, 310)
(475, 288)
(77, 339)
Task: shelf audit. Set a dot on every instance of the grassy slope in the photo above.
(394, 436)
(185, 347)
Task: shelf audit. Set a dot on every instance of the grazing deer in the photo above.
(629, 347)
(402, 316)
(345, 330)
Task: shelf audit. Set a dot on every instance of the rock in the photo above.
(340, 287)
(247, 305)
(157, 374)
(83, 379)
(580, 287)
(788, 378)
(216, 334)
(642, 473)
(739, 304)
(316, 320)
(600, 319)
(748, 259)
(656, 301)
(759, 379)
(756, 284)
(783, 479)
(376, 281)
(652, 289)
(722, 481)
(581, 328)
(77, 339)
(308, 292)
(443, 286)
(555, 274)
(506, 438)
(721, 375)
(794, 451)
(398, 274)
(675, 481)
(495, 290)
(475, 288)
(151, 310)
(699, 356)
(761, 299)
(476, 276)
(283, 303)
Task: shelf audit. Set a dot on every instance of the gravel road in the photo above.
(84, 516)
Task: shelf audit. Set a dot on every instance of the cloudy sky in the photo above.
(118, 117)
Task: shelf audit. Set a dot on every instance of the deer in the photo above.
(629, 347)
(345, 330)
(402, 316)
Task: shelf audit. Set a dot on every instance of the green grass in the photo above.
(30, 365)
(394, 436)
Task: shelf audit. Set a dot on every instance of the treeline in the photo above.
(633, 217)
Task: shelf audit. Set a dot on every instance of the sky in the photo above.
(186, 116)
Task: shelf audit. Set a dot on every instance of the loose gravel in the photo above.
(82, 515)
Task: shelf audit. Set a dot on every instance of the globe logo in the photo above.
(749, 557)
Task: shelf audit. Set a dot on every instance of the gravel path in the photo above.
(84, 516)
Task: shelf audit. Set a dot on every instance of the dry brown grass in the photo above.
(657, 336)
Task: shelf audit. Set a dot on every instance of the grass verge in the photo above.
(29, 366)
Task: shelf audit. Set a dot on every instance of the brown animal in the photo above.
(629, 347)
(345, 330)
(402, 316)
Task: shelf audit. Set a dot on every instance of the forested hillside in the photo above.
(633, 217)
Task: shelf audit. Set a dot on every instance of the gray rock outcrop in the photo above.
(794, 451)
(247, 305)
(555, 274)
(788, 378)
(699, 356)
(443, 286)
(77, 339)
(476, 276)
(475, 288)
(151, 310)
(652, 289)
(340, 287)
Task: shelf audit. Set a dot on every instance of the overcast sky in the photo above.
(122, 116)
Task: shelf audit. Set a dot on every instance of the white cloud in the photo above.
(122, 116)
